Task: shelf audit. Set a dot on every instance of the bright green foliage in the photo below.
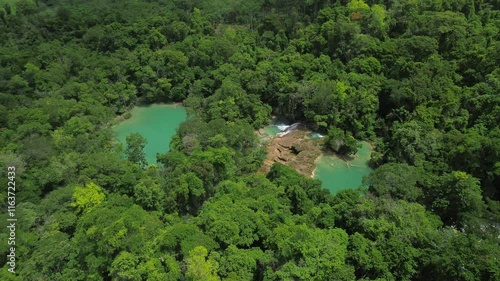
(313, 254)
(199, 23)
(185, 237)
(229, 223)
(240, 264)
(379, 20)
(88, 197)
(8, 276)
(357, 5)
(124, 267)
(199, 267)
(163, 268)
(113, 227)
(368, 259)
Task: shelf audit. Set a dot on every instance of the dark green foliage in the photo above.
(218, 133)
(398, 181)
(457, 196)
(341, 142)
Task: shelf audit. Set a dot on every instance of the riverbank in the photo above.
(313, 173)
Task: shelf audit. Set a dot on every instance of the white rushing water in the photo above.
(289, 129)
(282, 127)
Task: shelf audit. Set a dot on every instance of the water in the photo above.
(337, 175)
(277, 126)
(315, 135)
(156, 122)
(288, 129)
(282, 127)
(273, 130)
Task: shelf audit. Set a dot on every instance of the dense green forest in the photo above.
(418, 79)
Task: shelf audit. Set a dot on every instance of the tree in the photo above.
(149, 194)
(88, 197)
(461, 256)
(456, 197)
(112, 227)
(199, 267)
(368, 260)
(181, 238)
(356, 5)
(25, 7)
(341, 142)
(124, 267)
(416, 142)
(401, 231)
(232, 103)
(379, 22)
(135, 149)
(229, 222)
(199, 23)
(312, 254)
(303, 193)
(163, 268)
(49, 257)
(240, 264)
(398, 181)
(111, 172)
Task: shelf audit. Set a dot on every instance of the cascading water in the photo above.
(289, 129)
(282, 127)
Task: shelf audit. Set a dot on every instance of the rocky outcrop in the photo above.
(295, 150)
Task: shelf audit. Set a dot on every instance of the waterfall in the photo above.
(282, 127)
(289, 129)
